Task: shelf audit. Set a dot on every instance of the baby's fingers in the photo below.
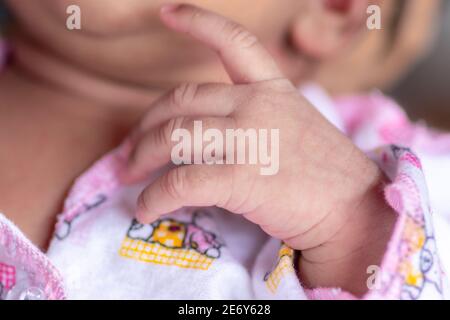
(186, 186)
(191, 100)
(244, 57)
(156, 147)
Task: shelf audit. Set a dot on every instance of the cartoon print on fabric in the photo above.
(421, 272)
(7, 278)
(418, 266)
(171, 242)
(283, 266)
(65, 226)
(406, 154)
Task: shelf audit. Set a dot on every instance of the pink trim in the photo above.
(32, 259)
(404, 196)
(411, 205)
(101, 178)
(328, 294)
(21, 250)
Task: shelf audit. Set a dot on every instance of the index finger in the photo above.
(244, 58)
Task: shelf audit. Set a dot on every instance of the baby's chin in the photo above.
(106, 18)
(103, 18)
(113, 18)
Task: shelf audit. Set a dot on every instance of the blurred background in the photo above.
(425, 91)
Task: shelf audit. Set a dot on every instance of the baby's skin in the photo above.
(326, 200)
(68, 98)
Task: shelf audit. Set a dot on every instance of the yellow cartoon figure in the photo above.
(172, 242)
(170, 233)
(419, 267)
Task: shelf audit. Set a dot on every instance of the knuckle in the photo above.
(274, 86)
(269, 92)
(196, 179)
(283, 85)
(144, 202)
(257, 96)
(239, 36)
(209, 123)
(164, 135)
(184, 95)
(196, 17)
(174, 182)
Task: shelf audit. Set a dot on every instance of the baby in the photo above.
(346, 215)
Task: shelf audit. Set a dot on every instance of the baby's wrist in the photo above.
(360, 242)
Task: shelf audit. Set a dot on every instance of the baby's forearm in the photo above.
(343, 262)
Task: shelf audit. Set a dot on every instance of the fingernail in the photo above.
(171, 7)
(141, 216)
(145, 219)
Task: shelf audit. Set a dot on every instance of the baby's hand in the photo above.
(325, 199)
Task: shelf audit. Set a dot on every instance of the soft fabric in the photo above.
(100, 252)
